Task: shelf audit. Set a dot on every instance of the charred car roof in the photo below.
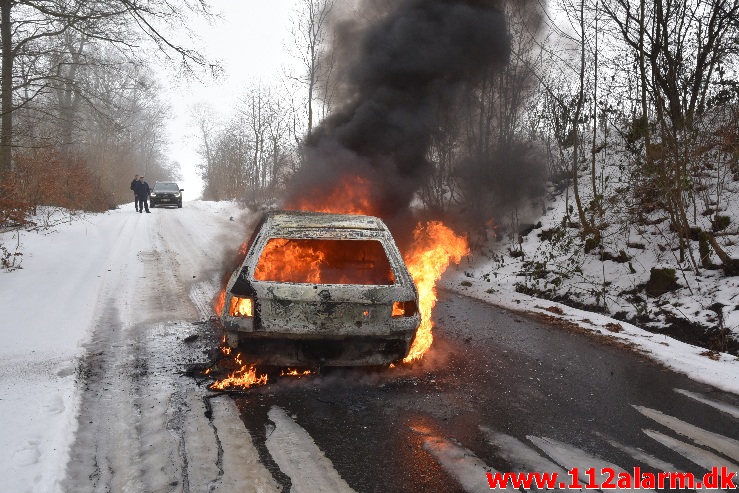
(281, 222)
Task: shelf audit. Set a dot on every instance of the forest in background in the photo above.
(619, 117)
(648, 88)
(628, 108)
(81, 108)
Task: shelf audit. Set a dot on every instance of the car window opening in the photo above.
(324, 261)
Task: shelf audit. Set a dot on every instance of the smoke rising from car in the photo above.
(419, 55)
(401, 72)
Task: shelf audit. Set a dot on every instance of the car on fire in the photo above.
(166, 193)
(319, 289)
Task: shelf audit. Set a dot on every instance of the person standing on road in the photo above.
(134, 186)
(142, 194)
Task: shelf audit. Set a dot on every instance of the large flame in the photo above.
(434, 248)
(324, 261)
(285, 260)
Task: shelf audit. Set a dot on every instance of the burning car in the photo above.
(319, 289)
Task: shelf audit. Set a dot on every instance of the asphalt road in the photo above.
(499, 391)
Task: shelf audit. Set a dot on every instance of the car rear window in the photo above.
(324, 261)
(166, 187)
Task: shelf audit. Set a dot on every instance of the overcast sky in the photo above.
(249, 42)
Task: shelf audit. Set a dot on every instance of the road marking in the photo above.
(198, 446)
(469, 471)
(298, 456)
(700, 456)
(640, 455)
(242, 468)
(569, 456)
(721, 406)
(519, 454)
(727, 446)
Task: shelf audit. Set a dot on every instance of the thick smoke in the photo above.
(420, 54)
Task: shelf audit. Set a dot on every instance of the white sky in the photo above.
(249, 40)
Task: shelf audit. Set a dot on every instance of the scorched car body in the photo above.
(321, 289)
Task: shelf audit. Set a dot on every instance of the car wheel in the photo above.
(151, 205)
(179, 206)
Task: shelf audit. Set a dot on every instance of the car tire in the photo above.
(179, 206)
(151, 205)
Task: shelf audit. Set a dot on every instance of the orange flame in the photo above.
(241, 307)
(352, 195)
(295, 373)
(225, 349)
(434, 248)
(243, 378)
(284, 260)
(315, 261)
(219, 302)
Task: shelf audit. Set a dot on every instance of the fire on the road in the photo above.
(243, 378)
(295, 373)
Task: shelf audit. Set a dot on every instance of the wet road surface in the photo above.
(499, 391)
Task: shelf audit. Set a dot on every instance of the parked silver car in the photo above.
(321, 289)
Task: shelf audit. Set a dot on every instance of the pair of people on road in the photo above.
(140, 193)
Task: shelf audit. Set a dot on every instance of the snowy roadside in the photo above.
(720, 370)
(49, 310)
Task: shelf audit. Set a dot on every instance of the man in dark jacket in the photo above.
(142, 194)
(134, 185)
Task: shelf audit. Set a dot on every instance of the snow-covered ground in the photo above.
(550, 257)
(72, 277)
(77, 273)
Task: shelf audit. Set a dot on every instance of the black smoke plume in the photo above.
(420, 54)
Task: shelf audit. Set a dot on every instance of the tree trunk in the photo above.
(6, 87)
(597, 202)
(731, 265)
(587, 229)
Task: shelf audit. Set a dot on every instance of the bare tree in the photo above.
(204, 120)
(31, 65)
(248, 156)
(310, 34)
(680, 47)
